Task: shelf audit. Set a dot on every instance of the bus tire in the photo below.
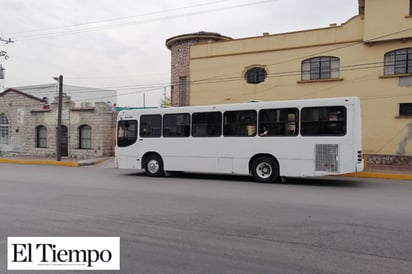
(265, 169)
(154, 166)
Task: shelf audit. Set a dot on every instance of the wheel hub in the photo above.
(264, 170)
(153, 166)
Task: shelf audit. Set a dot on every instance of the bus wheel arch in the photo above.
(264, 168)
(152, 163)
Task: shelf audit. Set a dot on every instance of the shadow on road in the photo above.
(328, 181)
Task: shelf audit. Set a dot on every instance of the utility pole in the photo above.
(59, 119)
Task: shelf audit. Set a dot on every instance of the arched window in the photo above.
(85, 137)
(4, 129)
(319, 68)
(398, 61)
(255, 75)
(41, 137)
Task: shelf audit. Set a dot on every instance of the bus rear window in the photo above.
(324, 121)
(126, 133)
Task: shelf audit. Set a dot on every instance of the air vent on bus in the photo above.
(327, 157)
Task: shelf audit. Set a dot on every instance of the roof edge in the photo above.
(22, 93)
(201, 35)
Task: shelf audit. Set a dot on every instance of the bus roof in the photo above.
(246, 106)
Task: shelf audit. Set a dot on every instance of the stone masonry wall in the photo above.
(374, 160)
(17, 109)
(180, 53)
(33, 113)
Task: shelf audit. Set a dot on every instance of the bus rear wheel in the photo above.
(265, 170)
(154, 166)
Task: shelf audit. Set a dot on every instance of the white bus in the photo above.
(268, 140)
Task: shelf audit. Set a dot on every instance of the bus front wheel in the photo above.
(265, 169)
(154, 166)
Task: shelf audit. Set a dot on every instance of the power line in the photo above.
(305, 56)
(160, 88)
(106, 24)
(136, 89)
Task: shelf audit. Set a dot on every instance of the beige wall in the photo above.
(387, 20)
(217, 69)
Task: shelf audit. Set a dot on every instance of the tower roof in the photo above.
(201, 35)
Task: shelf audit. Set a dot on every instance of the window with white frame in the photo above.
(85, 137)
(4, 129)
(398, 61)
(320, 68)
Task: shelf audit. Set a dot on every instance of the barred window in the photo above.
(318, 68)
(41, 137)
(398, 61)
(85, 137)
(183, 85)
(4, 129)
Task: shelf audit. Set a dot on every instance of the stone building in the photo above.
(28, 127)
(369, 56)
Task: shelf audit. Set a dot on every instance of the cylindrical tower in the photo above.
(180, 52)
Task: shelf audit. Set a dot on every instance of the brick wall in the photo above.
(180, 53)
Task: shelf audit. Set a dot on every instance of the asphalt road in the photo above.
(214, 224)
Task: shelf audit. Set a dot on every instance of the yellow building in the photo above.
(369, 56)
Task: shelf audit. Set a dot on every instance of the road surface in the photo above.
(194, 223)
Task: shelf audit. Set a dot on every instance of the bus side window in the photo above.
(176, 125)
(279, 122)
(240, 123)
(207, 124)
(126, 132)
(150, 126)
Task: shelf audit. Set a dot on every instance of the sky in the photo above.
(120, 44)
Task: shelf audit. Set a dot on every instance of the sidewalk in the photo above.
(393, 173)
(384, 172)
(53, 162)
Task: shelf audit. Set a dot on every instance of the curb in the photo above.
(39, 162)
(376, 175)
(91, 163)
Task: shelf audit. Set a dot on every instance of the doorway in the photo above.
(64, 146)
